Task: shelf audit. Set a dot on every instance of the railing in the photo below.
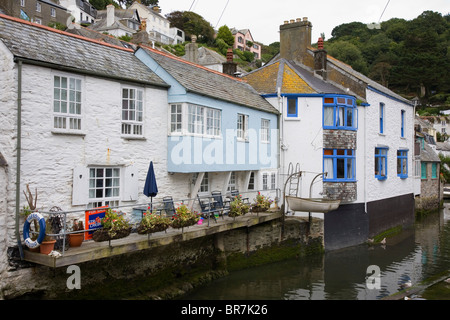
(135, 209)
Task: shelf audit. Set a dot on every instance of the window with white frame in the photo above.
(67, 103)
(38, 6)
(232, 182)
(265, 130)
(204, 184)
(22, 3)
(268, 180)
(132, 111)
(37, 20)
(213, 119)
(242, 127)
(53, 12)
(176, 117)
(104, 187)
(195, 119)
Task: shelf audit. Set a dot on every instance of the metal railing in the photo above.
(154, 206)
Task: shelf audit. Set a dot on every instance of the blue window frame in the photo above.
(339, 112)
(402, 131)
(381, 163)
(339, 164)
(433, 170)
(292, 107)
(381, 117)
(424, 170)
(402, 164)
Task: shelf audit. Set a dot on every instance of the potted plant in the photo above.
(49, 242)
(152, 222)
(262, 203)
(184, 217)
(114, 226)
(238, 207)
(76, 239)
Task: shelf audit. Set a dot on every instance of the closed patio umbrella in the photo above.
(150, 187)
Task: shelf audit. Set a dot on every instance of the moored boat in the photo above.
(312, 204)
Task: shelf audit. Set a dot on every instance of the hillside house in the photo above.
(158, 26)
(243, 40)
(117, 22)
(368, 163)
(81, 10)
(37, 11)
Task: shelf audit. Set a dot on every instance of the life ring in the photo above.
(26, 230)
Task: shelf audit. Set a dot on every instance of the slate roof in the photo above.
(201, 80)
(36, 43)
(290, 77)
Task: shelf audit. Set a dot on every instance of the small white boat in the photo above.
(312, 204)
(446, 192)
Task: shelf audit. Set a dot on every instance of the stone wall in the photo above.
(168, 271)
(339, 139)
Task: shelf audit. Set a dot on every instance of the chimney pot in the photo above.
(320, 44)
(299, 20)
(292, 20)
(286, 22)
(230, 55)
(305, 18)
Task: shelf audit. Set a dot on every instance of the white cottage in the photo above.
(339, 122)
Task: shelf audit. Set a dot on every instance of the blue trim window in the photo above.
(423, 170)
(402, 164)
(402, 131)
(292, 107)
(434, 170)
(381, 117)
(339, 112)
(381, 163)
(339, 164)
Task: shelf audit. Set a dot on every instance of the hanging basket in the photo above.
(156, 228)
(104, 234)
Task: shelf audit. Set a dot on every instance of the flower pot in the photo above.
(47, 246)
(76, 239)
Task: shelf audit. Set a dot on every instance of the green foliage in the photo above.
(261, 203)
(410, 57)
(192, 24)
(445, 168)
(57, 25)
(238, 207)
(114, 221)
(126, 38)
(225, 34)
(184, 217)
(222, 46)
(152, 222)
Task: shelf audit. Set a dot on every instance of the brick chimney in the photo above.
(229, 67)
(109, 15)
(295, 38)
(320, 60)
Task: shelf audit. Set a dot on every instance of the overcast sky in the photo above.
(264, 17)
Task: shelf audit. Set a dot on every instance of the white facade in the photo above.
(158, 26)
(78, 13)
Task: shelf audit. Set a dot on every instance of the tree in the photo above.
(192, 24)
(128, 3)
(225, 34)
(101, 4)
(349, 53)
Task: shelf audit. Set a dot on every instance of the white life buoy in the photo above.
(26, 230)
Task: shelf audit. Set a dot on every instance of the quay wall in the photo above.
(171, 270)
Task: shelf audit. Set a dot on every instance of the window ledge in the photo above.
(292, 118)
(133, 137)
(69, 133)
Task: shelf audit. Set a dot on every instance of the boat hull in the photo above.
(312, 204)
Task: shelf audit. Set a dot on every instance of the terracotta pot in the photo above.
(76, 239)
(47, 246)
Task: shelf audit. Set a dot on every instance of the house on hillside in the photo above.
(243, 40)
(117, 22)
(158, 26)
(81, 10)
(222, 134)
(336, 121)
(37, 11)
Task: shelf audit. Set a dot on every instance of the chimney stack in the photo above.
(192, 50)
(320, 60)
(229, 67)
(109, 15)
(295, 38)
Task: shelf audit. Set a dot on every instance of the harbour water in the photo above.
(364, 272)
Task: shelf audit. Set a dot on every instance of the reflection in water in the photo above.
(415, 254)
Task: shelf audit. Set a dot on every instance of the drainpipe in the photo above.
(19, 148)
